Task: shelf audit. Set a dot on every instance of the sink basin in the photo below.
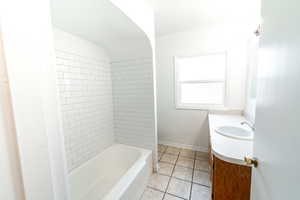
(235, 132)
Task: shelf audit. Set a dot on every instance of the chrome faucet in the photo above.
(248, 124)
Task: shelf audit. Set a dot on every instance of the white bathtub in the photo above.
(120, 172)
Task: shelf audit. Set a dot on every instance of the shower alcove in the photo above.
(105, 78)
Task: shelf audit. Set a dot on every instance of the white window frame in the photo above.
(177, 83)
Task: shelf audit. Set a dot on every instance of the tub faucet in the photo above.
(248, 124)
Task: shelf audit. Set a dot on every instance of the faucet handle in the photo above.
(248, 124)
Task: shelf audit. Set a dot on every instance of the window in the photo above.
(200, 81)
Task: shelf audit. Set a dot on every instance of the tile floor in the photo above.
(182, 174)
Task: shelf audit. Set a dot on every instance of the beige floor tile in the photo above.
(158, 181)
(202, 165)
(200, 192)
(159, 155)
(201, 155)
(151, 194)
(183, 173)
(187, 153)
(162, 148)
(202, 178)
(171, 197)
(169, 158)
(179, 188)
(165, 168)
(173, 150)
(185, 162)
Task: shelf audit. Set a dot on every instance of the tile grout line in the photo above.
(175, 196)
(182, 179)
(171, 175)
(202, 185)
(152, 188)
(202, 170)
(173, 170)
(192, 177)
(162, 153)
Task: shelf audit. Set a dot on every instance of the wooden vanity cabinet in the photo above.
(229, 181)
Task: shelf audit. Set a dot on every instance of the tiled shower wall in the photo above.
(84, 80)
(134, 102)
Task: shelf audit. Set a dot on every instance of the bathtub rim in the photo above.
(123, 183)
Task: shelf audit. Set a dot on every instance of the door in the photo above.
(277, 138)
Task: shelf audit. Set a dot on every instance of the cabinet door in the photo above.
(230, 181)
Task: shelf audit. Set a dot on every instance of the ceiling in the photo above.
(180, 15)
(96, 20)
(101, 22)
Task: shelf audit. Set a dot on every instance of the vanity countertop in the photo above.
(225, 148)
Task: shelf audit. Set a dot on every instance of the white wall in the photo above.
(252, 62)
(136, 92)
(28, 49)
(139, 48)
(189, 127)
(30, 54)
(141, 13)
(10, 170)
(84, 81)
(133, 102)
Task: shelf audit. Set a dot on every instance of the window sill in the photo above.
(202, 107)
(213, 109)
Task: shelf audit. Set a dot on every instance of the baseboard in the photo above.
(184, 146)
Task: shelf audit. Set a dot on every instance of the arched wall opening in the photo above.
(105, 78)
(101, 58)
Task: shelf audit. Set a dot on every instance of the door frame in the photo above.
(29, 53)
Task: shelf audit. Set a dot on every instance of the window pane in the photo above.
(208, 67)
(202, 93)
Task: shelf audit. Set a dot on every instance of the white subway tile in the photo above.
(86, 102)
